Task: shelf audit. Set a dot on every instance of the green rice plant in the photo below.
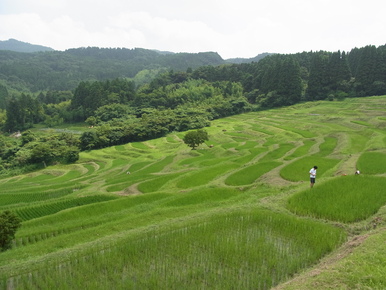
(363, 268)
(120, 148)
(119, 162)
(204, 176)
(277, 153)
(156, 183)
(303, 133)
(254, 152)
(345, 198)
(249, 174)
(138, 172)
(230, 145)
(158, 166)
(301, 151)
(250, 144)
(363, 123)
(48, 208)
(238, 136)
(358, 141)
(12, 199)
(247, 249)
(139, 145)
(198, 156)
(258, 128)
(202, 196)
(299, 169)
(328, 146)
(372, 163)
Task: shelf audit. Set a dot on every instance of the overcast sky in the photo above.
(242, 28)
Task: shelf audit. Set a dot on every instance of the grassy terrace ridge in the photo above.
(236, 215)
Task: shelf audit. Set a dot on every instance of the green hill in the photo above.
(239, 214)
(63, 70)
(20, 46)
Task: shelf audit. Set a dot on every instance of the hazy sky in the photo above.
(242, 28)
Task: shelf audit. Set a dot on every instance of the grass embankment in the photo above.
(237, 215)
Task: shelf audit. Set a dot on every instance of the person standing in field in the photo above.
(313, 175)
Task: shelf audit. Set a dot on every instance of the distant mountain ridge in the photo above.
(47, 69)
(20, 46)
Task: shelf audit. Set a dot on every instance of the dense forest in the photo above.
(97, 86)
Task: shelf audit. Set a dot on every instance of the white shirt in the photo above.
(313, 173)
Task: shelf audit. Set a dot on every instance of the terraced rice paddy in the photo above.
(235, 215)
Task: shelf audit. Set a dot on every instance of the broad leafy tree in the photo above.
(195, 138)
(9, 224)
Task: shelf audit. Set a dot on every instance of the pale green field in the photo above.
(239, 215)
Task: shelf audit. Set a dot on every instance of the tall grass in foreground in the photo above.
(345, 199)
(244, 249)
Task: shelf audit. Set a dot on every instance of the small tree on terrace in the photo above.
(195, 138)
(9, 223)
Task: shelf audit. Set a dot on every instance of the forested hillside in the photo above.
(58, 70)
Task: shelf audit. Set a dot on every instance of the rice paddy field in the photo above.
(237, 213)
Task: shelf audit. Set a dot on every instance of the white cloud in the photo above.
(234, 29)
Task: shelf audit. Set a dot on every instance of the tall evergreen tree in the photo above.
(318, 80)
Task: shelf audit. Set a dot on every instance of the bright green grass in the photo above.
(302, 133)
(48, 208)
(139, 145)
(248, 145)
(358, 141)
(230, 145)
(301, 151)
(158, 166)
(254, 153)
(299, 169)
(249, 174)
(277, 153)
(328, 146)
(7, 199)
(192, 255)
(138, 172)
(361, 269)
(362, 123)
(196, 156)
(203, 196)
(346, 199)
(156, 183)
(259, 129)
(138, 166)
(67, 248)
(372, 163)
(105, 210)
(205, 176)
